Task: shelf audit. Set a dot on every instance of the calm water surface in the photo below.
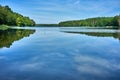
(59, 54)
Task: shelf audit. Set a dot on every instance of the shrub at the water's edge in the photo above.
(8, 17)
(4, 27)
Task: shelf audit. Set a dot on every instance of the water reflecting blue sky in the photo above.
(51, 54)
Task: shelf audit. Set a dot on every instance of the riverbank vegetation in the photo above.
(8, 17)
(4, 27)
(93, 22)
(47, 25)
(105, 22)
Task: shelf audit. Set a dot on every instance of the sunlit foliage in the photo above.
(8, 17)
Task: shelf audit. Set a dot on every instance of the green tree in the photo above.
(8, 17)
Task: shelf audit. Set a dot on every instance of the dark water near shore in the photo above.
(60, 54)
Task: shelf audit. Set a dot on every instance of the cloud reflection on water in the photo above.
(96, 66)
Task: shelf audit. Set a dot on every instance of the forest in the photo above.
(98, 21)
(110, 22)
(8, 17)
(47, 25)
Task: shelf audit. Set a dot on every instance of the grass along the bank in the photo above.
(4, 27)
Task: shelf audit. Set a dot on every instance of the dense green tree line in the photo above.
(98, 21)
(8, 17)
(47, 25)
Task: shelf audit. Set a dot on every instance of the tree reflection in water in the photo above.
(115, 35)
(7, 37)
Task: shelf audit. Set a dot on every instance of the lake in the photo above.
(59, 54)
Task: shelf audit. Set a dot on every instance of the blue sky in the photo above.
(54, 11)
